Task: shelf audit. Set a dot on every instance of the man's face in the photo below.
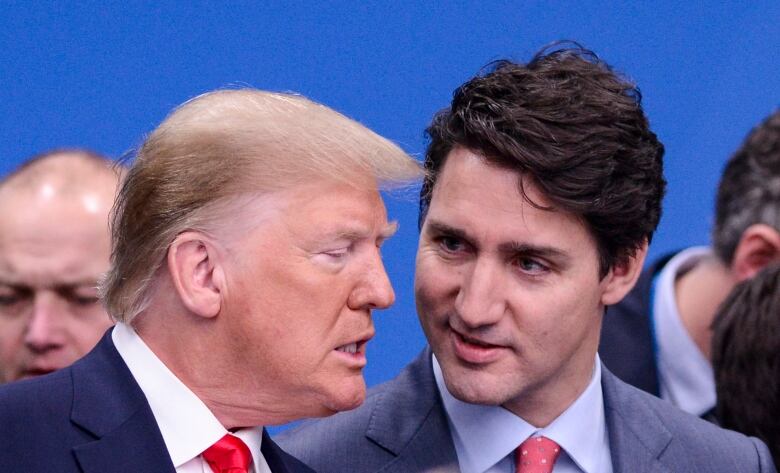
(52, 252)
(508, 294)
(303, 282)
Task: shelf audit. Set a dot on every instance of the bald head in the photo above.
(54, 246)
(66, 172)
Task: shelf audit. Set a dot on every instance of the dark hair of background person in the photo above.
(749, 190)
(574, 126)
(746, 359)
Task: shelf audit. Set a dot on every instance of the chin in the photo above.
(350, 396)
(473, 388)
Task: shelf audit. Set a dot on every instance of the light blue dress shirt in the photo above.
(686, 375)
(485, 437)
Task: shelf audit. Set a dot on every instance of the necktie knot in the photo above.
(229, 455)
(536, 455)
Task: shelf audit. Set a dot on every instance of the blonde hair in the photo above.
(219, 146)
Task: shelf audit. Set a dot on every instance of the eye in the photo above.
(12, 295)
(8, 300)
(531, 266)
(451, 244)
(13, 301)
(337, 254)
(83, 297)
(84, 301)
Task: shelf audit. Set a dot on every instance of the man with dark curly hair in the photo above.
(658, 338)
(543, 189)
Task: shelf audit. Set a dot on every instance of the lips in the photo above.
(34, 372)
(474, 350)
(354, 352)
(348, 348)
(353, 348)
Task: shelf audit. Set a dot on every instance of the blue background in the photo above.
(102, 74)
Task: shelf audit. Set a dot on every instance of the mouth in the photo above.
(35, 372)
(474, 350)
(355, 351)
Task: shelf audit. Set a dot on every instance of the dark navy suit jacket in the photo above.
(91, 418)
(627, 345)
(403, 428)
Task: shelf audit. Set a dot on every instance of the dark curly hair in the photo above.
(749, 190)
(574, 126)
(746, 358)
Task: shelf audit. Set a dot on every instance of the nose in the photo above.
(374, 290)
(43, 329)
(479, 301)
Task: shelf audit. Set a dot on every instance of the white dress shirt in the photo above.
(188, 427)
(686, 376)
(485, 437)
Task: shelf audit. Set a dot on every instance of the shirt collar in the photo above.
(484, 435)
(687, 377)
(188, 427)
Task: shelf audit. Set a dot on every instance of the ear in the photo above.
(196, 274)
(758, 247)
(622, 276)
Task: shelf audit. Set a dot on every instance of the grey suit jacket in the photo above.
(403, 428)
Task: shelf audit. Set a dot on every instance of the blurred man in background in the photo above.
(658, 337)
(54, 247)
(746, 358)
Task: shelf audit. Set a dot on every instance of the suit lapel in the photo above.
(129, 449)
(637, 437)
(108, 403)
(410, 422)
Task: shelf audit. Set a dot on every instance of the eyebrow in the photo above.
(546, 252)
(389, 230)
(441, 227)
(353, 235)
(510, 248)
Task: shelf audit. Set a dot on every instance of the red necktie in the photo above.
(229, 455)
(536, 455)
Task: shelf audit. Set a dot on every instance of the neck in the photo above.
(698, 293)
(539, 407)
(190, 347)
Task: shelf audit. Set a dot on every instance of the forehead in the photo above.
(319, 208)
(487, 200)
(52, 242)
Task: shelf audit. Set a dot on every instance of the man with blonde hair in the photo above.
(245, 267)
(54, 246)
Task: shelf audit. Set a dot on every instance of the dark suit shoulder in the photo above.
(44, 398)
(709, 444)
(626, 346)
(681, 441)
(36, 429)
(338, 443)
(400, 427)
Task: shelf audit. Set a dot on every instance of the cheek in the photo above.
(434, 281)
(11, 336)
(428, 299)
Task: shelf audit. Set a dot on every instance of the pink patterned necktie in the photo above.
(536, 455)
(229, 455)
